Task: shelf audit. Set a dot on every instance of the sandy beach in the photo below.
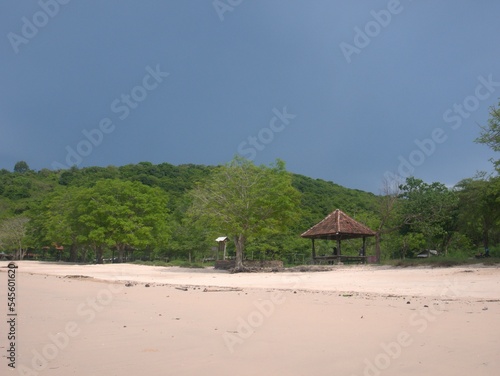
(122, 319)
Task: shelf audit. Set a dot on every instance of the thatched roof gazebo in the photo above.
(338, 226)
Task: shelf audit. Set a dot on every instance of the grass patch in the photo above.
(491, 261)
(442, 262)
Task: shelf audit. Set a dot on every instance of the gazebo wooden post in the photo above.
(363, 253)
(339, 250)
(313, 251)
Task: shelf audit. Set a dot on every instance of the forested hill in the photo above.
(150, 208)
(320, 197)
(22, 188)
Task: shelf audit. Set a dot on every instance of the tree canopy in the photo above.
(21, 167)
(166, 211)
(490, 134)
(247, 201)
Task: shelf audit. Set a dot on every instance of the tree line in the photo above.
(175, 212)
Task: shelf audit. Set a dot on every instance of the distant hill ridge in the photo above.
(18, 190)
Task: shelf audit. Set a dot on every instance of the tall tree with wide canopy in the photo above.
(244, 201)
(430, 209)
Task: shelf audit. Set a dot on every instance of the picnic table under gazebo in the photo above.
(338, 226)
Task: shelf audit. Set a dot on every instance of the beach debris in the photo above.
(182, 288)
(128, 284)
(147, 285)
(408, 302)
(77, 276)
(228, 289)
(485, 308)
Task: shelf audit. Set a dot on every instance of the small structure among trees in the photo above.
(338, 226)
(221, 249)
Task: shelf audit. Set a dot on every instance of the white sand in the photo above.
(349, 321)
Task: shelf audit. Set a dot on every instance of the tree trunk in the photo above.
(20, 254)
(84, 254)
(377, 247)
(120, 248)
(403, 249)
(98, 255)
(486, 238)
(239, 242)
(73, 253)
(446, 243)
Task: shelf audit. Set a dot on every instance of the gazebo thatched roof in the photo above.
(336, 226)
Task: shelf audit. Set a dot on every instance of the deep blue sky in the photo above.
(356, 107)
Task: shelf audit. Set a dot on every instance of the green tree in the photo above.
(21, 167)
(409, 242)
(193, 237)
(13, 235)
(430, 209)
(389, 218)
(244, 201)
(18, 187)
(60, 219)
(490, 134)
(123, 214)
(479, 202)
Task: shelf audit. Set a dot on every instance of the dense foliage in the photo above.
(172, 212)
(247, 202)
(95, 213)
(490, 134)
